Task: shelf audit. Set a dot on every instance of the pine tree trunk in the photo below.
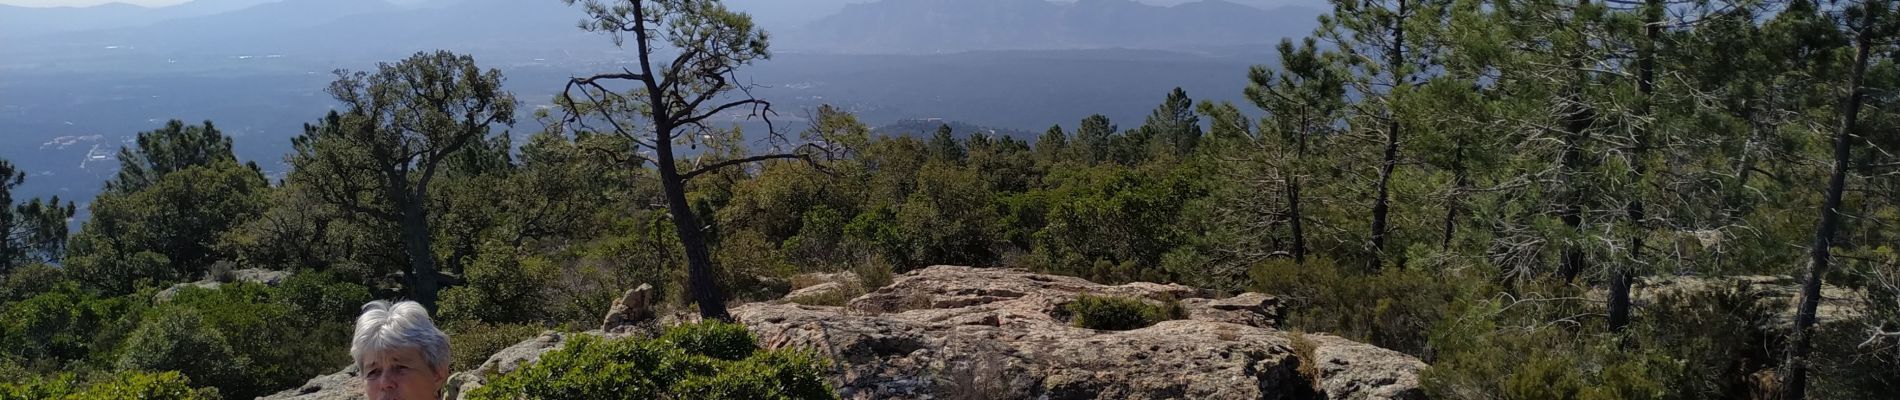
(1460, 179)
(1577, 123)
(1293, 200)
(1795, 385)
(1621, 280)
(1297, 220)
(1381, 206)
(701, 282)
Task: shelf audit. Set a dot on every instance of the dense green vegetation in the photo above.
(1484, 185)
(709, 360)
(1120, 313)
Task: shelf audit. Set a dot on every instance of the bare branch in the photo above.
(727, 163)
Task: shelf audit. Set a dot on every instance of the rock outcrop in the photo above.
(343, 385)
(263, 276)
(959, 332)
(631, 308)
(1779, 293)
(970, 333)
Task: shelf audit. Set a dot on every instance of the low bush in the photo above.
(691, 361)
(177, 339)
(713, 339)
(30, 280)
(123, 386)
(1120, 313)
(1393, 308)
(322, 297)
(503, 288)
(62, 326)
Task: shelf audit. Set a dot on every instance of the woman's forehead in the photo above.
(399, 354)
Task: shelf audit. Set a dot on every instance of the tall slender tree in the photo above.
(1174, 125)
(1869, 26)
(1621, 275)
(1371, 38)
(1303, 102)
(657, 104)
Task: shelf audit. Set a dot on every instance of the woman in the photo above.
(400, 353)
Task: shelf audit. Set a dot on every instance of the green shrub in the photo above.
(1120, 313)
(30, 280)
(1393, 308)
(123, 386)
(474, 342)
(874, 273)
(178, 339)
(589, 367)
(63, 325)
(503, 288)
(713, 339)
(318, 297)
(267, 331)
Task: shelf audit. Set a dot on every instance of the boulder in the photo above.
(827, 290)
(343, 385)
(959, 332)
(806, 280)
(264, 276)
(1780, 293)
(633, 307)
(1251, 309)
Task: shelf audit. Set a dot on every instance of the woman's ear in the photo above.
(441, 376)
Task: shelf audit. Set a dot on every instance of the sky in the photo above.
(82, 3)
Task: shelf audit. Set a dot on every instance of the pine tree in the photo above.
(1304, 102)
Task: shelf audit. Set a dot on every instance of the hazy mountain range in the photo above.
(78, 83)
(380, 28)
(898, 26)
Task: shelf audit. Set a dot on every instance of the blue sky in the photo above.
(53, 3)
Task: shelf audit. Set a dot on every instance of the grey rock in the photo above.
(633, 307)
(343, 385)
(1251, 309)
(959, 332)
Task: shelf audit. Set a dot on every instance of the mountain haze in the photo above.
(922, 26)
(382, 29)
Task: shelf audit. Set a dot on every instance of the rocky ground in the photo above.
(950, 332)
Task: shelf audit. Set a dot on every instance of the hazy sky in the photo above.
(52, 3)
(155, 3)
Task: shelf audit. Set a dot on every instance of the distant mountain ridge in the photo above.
(930, 26)
(925, 128)
(381, 28)
(17, 21)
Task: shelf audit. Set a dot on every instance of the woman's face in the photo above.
(401, 374)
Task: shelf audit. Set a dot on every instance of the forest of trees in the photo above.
(1486, 185)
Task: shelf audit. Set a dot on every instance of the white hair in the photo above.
(385, 326)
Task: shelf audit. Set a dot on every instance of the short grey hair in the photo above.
(388, 326)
